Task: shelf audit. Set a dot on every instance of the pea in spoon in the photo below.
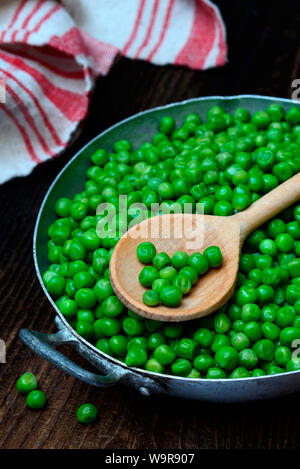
(171, 233)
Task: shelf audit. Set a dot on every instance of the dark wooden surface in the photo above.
(264, 58)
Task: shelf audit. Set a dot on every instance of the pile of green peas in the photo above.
(172, 278)
(225, 163)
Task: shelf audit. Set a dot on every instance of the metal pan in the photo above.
(140, 127)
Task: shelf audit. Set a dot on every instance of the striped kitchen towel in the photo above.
(51, 52)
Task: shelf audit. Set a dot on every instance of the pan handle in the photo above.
(43, 345)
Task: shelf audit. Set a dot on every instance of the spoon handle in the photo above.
(268, 206)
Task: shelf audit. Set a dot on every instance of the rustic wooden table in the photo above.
(264, 58)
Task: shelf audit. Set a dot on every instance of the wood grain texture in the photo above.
(263, 58)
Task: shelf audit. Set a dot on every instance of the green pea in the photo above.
(274, 370)
(222, 323)
(173, 331)
(103, 289)
(85, 298)
(155, 340)
(167, 125)
(216, 373)
(180, 259)
(285, 316)
(246, 295)
(292, 116)
(36, 399)
(250, 312)
(160, 283)
(288, 335)
(83, 279)
(223, 208)
(68, 308)
(258, 372)
(55, 284)
(220, 340)
(253, 331)
(147, 276)
(54, 254)
(282, 355)
(168, 273)
(268, 247)
(63, 207)
(85, 329)
(240, 341)
(293, 365)
(118, 345)
(247, 263)
(204, 337)
(238, 325)
(122, 145)
(87, 413)
(234, 312)
(153, 365)
(161, 260)
(151, 298)
(112, 307)
(146, 252)
(152, 325)
(77, 250)
(248, 358)
(193, 374)
(255, 238)
(106, 327)
(297, 307)
(137, 342)
(284, 242)
(203, 362)
(181, 367)
(183, 283)
(77, 266)
(276, 112)
(170, 296)
(85, 315)
(132, 326)
(239, 372)
(226, 357)
(270, 331)
(164, 354)
(190, 273)
(187, 348)
(271, 276)
(27, 383)
(99, 157)
(294, 268)
(264, 349)
(240, 202)
(199, 262)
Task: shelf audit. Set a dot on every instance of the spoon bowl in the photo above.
(193, 233)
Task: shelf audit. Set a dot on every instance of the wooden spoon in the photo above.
(216, 287)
